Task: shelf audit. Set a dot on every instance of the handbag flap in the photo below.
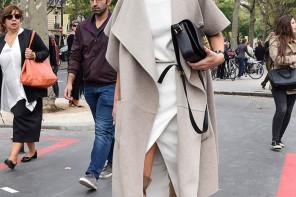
(191, 40)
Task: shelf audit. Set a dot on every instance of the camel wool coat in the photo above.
(130, 52)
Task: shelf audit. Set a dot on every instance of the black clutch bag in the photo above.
(283, 78)
(191, 40)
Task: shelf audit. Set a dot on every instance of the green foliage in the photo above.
(227, 8)
(81, 7)
(78, 7)
(4, 3)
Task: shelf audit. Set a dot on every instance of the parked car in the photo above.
(63, 53)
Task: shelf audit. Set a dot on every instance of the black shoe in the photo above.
(275, 145)
(27, 159)
(10, 164)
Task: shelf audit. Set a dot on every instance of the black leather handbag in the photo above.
(191, 40)
(283, 78)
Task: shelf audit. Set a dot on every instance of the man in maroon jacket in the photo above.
(88, 53)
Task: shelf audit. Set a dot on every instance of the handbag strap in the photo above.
(174, 29)
(31, 39)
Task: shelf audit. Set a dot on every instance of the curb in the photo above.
(56, 127)
(258, 94)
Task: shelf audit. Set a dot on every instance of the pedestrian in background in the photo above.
(154, 137)
(221, 67)
(260, 52)
(77, 83)
(88, 54)
(282, 51)
(54, 61)
(24, 102)
(241, 50)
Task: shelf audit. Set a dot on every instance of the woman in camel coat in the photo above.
(132, 51)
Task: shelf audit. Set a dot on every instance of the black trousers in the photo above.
(284, 104)
(55, 86)
(77, 86)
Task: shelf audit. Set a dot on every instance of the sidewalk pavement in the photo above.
(75, 118)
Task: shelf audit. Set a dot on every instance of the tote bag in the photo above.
(37, 74)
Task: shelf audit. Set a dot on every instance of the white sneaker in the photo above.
(275, 145)
(89, 181)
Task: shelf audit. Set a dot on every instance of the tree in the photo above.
(32, 20)
(234, 36)
(226, 7)
(251, 8)
(271, 10)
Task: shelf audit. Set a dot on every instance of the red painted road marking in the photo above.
(288, 180)
(62, 142)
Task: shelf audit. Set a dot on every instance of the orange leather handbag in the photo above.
(37, 74)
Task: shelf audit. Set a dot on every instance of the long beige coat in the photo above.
(130, 52)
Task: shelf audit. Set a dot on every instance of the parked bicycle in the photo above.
(253, 68)
(230, 70)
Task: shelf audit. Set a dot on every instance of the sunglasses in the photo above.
(10, 16)
(74, 25)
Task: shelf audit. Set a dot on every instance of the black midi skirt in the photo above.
(26, 123)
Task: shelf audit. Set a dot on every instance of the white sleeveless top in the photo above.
(164, 56)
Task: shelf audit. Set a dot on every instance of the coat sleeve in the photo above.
(39, 48)
(289, 60)
(112, 54)
(214, 20)
(75, 62)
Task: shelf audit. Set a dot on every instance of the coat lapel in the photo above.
(137, 38)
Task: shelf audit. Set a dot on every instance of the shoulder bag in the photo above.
(37, 74)
(283, 78)
(191, 40)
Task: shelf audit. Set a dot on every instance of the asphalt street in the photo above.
(248, 168)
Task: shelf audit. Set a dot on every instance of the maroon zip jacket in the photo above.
(88, 51)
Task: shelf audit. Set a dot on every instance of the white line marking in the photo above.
(9, 190)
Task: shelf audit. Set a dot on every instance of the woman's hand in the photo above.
(212, 60)
(29, 54)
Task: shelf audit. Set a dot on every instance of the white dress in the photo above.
(12, 90)
(164, 131)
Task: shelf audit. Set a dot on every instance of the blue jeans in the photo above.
(241, 63)
(284, 104)
(100, 101)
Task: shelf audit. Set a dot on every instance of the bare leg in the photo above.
(31, 146)
(16, 147)
(149, 161)
(148, 168)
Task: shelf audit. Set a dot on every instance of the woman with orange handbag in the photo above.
(23, 101)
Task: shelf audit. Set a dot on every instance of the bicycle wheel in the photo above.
(214, 72)
(233, 69)
(255, 70)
